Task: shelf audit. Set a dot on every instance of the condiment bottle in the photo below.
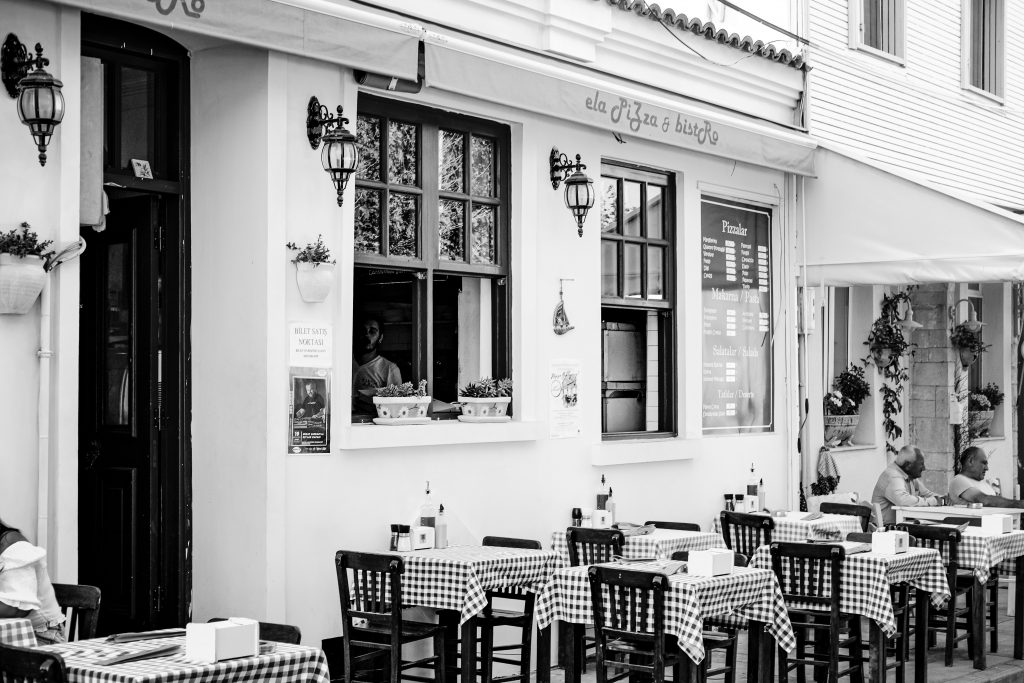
(609, 505)
(404, 538)
(577, 517)
(428, 511)
(394, 538)
(760, 495)
(730, 505)
(751, 492)
(441, 529)
(602, 494)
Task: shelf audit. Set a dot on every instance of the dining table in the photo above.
(940, 512)
(865, 581)
(17, 631)
(795, 526)
(84, 663)
(658, 544)
(744, 592)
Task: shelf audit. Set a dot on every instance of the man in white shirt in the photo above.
(370, 370)
(900, 484)
(970, 486)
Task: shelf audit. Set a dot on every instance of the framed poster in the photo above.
(736, 275)
(309, 377)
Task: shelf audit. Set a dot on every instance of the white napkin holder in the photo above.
(220, 640)
(711, 562)
(422, 537)
(602, 519)
(890, 542)
(996, 524)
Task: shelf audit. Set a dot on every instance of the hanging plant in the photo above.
(886, 335)
(967, 343)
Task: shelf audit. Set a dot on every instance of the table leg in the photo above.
(450, 620)
(1018, 603)
(574, 663)
(978, 619)
(876, 650)
(469, 651)
(544, 655)
(760, 654)
(564, 644)
(921, 637)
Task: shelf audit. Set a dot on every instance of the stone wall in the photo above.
(930, 371)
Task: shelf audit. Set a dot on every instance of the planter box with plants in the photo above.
(22, 269)
(967, 343)
(981, 409)
(486, 400)
(402, 404)
(841, 405)
(314, 270)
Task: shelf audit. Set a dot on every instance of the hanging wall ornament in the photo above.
(560, 321)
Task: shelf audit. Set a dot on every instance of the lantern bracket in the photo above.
(15, 62)
(319, 120)
(561, 167)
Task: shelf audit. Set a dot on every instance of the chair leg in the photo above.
(486, 664)
(396, 662)
(857, 649)
(525, 651)
(440, 661)
(801, 652)
(951, 629)
(784, 666)
(730, 659)
(993, 616)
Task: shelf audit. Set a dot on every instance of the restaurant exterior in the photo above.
(155, 433)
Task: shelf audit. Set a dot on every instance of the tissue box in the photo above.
(422, 537)
(713, 562)
(602, 519)
(997, 524)
(220, 640)
(890, 542)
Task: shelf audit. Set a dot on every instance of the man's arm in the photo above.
(9, 612)
(897, 494)
(974, 495)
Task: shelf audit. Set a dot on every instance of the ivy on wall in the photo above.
(887, 335)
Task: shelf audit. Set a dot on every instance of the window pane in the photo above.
(138, 117)
(655, 273)
(609, 269)
(462, 333)
(654, 212)
(451, 228)
(636, 393)
(119, 379)
(609, 205)
(484, 222)
(402, 151)
(483, 167)
(367, 221)
(632, 268)
(402, 222)
(368, 138)
(382, 323)
(450, 161)
(631, 208)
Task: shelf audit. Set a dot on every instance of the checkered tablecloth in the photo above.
(987, 552)
(866, 578)
(659, 544)
(750, 593)
(17, 632)
(793, 528)
(459, 577)
(287, 664)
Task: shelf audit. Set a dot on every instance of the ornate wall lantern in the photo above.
(40, 102)
(340, 156)
(579, 188)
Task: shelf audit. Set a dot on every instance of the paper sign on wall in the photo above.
(310, 348)
(564, 411)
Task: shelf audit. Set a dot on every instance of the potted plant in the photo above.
(486, 400)
(22, 268)
(402, 402)
(849, 389)
(314, 270)
(886, 342)
(981, 409)
(967, 343)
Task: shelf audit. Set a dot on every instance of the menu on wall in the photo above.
(736, 288)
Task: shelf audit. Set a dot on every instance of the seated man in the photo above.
(970, 486)
(900, 484)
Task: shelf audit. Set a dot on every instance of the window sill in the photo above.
(896, 60)
(629, 451)
(983, 96)
(987, 439)
(855, 447)
(437, 433)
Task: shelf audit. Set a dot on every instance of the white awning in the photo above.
(318, 29)
(868, 225)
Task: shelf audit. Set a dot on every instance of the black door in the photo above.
(134, 490)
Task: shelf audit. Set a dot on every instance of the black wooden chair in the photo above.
(628, 638)
(861, 511)
(745, 533)
(677, 526)
(278, 633)
(720, 634)
(29, 665)
(590, 546)
(953, 615)
(81, 608)
(521, 619)
(809, 575)
(991, 587)
(374, 593)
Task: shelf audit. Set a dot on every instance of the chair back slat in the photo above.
(745, 533)
(593, 546)
(677, 526)
(374, 591)
(809, 574)
(29, 665)
(81, 607)
(861, 511)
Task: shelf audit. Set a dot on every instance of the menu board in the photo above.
(736, 272)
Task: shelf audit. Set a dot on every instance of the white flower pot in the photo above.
(392, 407)
(979, 421)
(839, 429)
(314, 280)
(21, 281)
(485, 407)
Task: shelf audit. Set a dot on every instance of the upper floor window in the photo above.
(983, 31)
(637, 301)
(431, 252)
(878, 26)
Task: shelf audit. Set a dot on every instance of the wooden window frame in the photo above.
(895, 25)
(989, 82)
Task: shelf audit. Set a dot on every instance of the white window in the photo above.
(982, 51)
(877, 26)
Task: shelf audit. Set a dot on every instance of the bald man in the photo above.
(970, 486)
(900, 484)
